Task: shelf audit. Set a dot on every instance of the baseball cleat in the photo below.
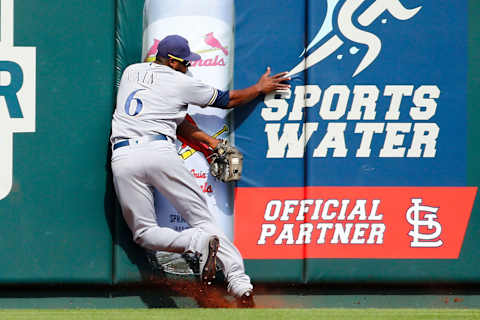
(208, 260)
(246, 300)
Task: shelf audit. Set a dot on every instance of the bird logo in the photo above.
(212, 41)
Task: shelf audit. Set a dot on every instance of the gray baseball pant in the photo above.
(139, 168)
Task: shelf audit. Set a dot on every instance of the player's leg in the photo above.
(176, 183)
(137, 202)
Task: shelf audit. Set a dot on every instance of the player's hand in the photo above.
(267, 83)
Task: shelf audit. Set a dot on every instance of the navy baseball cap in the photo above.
(176, 47)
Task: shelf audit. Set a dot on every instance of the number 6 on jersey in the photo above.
(128, 104)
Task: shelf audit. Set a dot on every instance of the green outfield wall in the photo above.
(55, 224)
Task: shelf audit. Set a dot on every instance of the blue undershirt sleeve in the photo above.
(222, 99)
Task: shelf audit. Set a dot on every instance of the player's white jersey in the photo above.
(153, 98)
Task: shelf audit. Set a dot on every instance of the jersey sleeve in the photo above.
(198, 93)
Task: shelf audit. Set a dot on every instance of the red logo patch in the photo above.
(352, 222)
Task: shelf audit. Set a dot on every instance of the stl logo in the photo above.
(17, 93)
(331, 41)
(427, 221)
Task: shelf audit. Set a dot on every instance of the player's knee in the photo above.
(141, 238)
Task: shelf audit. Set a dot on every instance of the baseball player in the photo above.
(151, 105)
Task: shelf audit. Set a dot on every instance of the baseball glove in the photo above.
(226, 162)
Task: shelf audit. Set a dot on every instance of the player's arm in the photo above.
(193, 135)
(198, 93)
(266, 84)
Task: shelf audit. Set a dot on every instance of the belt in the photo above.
(140, 140)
